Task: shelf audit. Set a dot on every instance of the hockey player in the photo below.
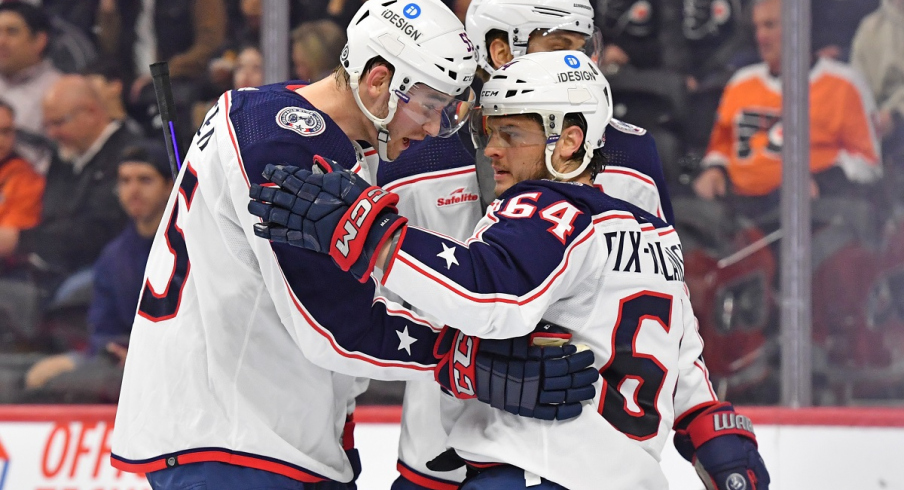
(438, 188)
(554, 247)
(238, 369)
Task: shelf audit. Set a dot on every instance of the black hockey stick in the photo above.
(164, 91)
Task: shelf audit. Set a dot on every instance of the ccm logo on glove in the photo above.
(461, 365)
(357, 217)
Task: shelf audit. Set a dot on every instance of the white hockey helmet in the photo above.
(520, 18)
(425, 43)
(551, 85)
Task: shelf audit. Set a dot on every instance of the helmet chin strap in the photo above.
(380, 124)
(588, 155)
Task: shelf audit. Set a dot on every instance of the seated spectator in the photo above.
(144, 184)
(876, 52)
(105, 78)
(186, 34)
(744, 155)
(645, 34)
(20, 187)
(249, 68)
(316, 47)
(80, 212)
(24, 73)
(719, 41)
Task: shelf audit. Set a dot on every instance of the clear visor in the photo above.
(440, 114)
(561, 39)
(510, 131)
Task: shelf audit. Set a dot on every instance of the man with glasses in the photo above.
(242, 355)
(80, 211)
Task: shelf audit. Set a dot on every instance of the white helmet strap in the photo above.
(379, 124)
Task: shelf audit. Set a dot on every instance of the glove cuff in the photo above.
(457, 369)
(383, 229)
(350, 235)
(716, 421)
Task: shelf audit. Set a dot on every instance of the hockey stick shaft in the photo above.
(164, 91)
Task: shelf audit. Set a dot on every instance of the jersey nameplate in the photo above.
(303, 121)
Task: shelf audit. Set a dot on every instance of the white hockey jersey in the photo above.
(438, 190)
(605, 270)
(242, 350)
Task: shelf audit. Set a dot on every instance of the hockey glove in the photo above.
(527, 376)
(328, 210)
(722, 447)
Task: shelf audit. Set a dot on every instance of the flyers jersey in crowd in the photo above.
(747, 136)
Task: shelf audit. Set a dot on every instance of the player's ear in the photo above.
(570, 142)
(376, 86)
(500, 52)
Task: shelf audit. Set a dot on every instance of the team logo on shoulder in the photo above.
(302, 121)
(627, 128)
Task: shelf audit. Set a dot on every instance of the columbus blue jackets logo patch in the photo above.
(627, 128)
(302, 121)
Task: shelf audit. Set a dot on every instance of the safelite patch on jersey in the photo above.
(303, 121)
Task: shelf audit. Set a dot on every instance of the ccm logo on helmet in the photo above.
(576, 76)
(403, 25)
(356, 219)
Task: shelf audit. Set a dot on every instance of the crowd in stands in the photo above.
(84, 176)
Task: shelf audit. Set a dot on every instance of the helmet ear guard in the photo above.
(552, 85)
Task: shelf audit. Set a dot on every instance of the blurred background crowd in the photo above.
(84, 176)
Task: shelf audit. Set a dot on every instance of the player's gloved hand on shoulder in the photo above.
(532, 376)
(723, 448)
(327, 209)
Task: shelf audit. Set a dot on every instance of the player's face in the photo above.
(7, 133)
(143, 192)
(422, 112)
(516, 147)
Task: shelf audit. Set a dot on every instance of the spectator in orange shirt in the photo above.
(21, 187)
(744, 154)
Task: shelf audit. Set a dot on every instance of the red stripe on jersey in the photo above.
(636, 175)
(424, 480)
(440, 279)
(326, 334)
(436, 175)
(219, 456)
(235, 145)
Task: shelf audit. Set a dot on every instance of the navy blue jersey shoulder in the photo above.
(262, 140)
(638, 152)
(429, 155)
(316, 281)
